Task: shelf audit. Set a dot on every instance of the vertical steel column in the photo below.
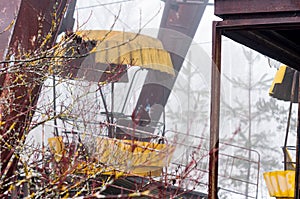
(215, 112)
(297, 194)
(17, 111)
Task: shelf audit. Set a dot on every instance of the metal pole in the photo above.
(54, 106)
(215, 112)
(111, 127)
(295, 76)
(297, 195)
(129, 88)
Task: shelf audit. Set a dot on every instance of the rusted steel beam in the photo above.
(267, 46)
(270, 27)
(215, 112)
(178, 26)
(274, 37)
(231, 7)
(277, 22)
(297, 175)
(20, 89)
(8, 13)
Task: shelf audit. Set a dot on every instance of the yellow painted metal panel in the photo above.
(116, 47)
(280, 183)
(56, 147)
(278, 78)
(134, 156)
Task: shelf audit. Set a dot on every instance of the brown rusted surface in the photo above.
(278, 43)
(19, 95)
(215, 114)
(8, 13)
(178, 26)
(270, 27)
(297, 173)
(231, 7)
(183, 18)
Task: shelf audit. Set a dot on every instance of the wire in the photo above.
(104, 4)
(208, 42)
(124, 23)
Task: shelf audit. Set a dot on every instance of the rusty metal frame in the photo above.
(25, 27)
(297, 174)
(215, 112)
(190, 13)
(246, 31)
(252, 33)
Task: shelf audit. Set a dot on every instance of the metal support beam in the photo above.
(297, 175)
(177, 29)
(215, 112)
(272, 36)
(17, 111)
(269, 29)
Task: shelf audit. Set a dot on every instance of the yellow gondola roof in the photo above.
(281, 87)
(117, 47)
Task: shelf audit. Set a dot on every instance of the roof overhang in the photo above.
(117, 47)
(271, 27)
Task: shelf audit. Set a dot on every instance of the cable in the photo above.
(104, 4)
(208, 42)
(124, 23)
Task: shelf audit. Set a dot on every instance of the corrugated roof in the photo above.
(116, 47)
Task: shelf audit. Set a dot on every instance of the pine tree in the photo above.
(254, 112)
